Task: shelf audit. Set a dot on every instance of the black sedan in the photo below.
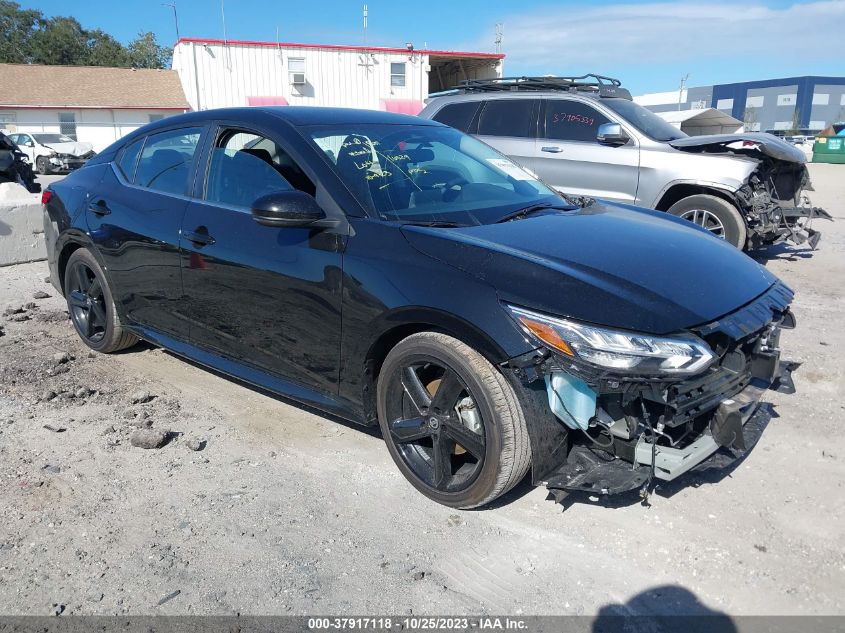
(394, 271)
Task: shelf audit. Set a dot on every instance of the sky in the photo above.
(648, 45)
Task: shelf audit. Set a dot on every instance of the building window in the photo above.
(156, 117)
(725, 104)
(821, 99)
(397, 74)
(296, 71)
(67, 124)
(787, 100)
(755, 102)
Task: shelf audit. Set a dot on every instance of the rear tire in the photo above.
(91, 306)
(425, 427)
(719, 216)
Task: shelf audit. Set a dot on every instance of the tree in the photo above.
(16, 28)
(750, 120)
(145, 52)
(60, 41)
(795, 127)
(104, 50)
(27, 37)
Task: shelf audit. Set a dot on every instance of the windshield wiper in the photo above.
(436, 223)
(534, 208)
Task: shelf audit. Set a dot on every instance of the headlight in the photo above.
(615, 349)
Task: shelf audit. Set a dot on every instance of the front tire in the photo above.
(451, 421)
(42, 165)
(718, 216)
(91, 306)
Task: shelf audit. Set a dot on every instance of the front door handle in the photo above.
(99, 208)
(552, 149)
(200, 237)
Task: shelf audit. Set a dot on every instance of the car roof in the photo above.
(296, 115)
(521, 94)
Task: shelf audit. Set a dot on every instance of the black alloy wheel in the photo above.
(444, 446)
(87, 303)
(91, 306)
(451, 421)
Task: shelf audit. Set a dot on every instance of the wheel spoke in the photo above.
(442, 456)
(94, 290)
(99, 314)
(447, 393)
(82, 278)
(472, 442)
(77, 299)
(409, 430)
(416, 391)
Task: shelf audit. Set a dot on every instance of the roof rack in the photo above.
(599, 84)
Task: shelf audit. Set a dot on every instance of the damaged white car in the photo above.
(51, 153)
(586, 137)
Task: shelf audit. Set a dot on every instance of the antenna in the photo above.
(681, 89)
(225, 39)
(500, 29)
(366, 15)
(172, 5)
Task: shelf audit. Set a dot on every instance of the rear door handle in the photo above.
(99, 208)
(199, 238)
(552, 149)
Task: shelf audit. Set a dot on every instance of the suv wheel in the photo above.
(41, 165)
(718, 216)
(451, 421)
(91, 306)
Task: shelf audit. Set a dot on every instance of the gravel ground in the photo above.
(281, 511)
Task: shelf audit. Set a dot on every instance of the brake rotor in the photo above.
(432, 388)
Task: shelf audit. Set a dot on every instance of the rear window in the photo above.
(508, 117)
(572, 121)
(129, 159)
(166, 160)
(458, 115)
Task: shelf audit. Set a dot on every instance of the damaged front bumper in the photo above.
(644, 431)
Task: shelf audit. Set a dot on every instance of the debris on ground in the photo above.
(195, 444)
(141, 397)
(149, 438)
(40, 294)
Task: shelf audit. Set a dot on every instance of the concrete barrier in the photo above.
(21, 226)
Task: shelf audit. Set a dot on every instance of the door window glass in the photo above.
(67, 124)
(507, 117)
(166, 160)
(572, 121)
(129, 159)
(458, 115)
(246, 166)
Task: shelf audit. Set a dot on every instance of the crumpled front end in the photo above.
(626, 432)
(776, 205)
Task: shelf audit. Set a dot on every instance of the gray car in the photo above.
(586, 137)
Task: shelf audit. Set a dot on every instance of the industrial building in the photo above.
(220, 73)
(806, 105)
(92, 104)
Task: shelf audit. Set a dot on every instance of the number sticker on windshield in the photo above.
(510, 169)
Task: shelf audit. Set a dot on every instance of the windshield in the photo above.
(428, 174)
(644, 120)
(53, 138)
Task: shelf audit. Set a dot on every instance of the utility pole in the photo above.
(500, 28)
(366, 14)
(172, 5)
(681, 89)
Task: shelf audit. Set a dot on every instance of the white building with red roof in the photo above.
(222, 73)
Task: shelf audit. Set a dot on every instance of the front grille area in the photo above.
(700, 395)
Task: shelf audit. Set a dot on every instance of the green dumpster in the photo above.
(829, 146)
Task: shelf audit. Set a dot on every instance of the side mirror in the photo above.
(30, 143)
(611, 134)
(290, 209)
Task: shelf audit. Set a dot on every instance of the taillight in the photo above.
(45, 196)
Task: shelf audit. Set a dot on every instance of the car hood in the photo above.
(606, 264)
(77, 148)
(752, 144)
